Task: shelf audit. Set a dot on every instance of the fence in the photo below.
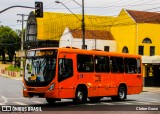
(4, 72)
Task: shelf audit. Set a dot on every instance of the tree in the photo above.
(9, 42)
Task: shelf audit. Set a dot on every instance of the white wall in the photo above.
(68, 40)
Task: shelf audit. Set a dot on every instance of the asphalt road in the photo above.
(11, 94)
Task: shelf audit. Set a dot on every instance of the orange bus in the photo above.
(71, 73)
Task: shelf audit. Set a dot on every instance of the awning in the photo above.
(151, 59)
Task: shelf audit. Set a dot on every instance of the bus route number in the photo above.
(97, 78)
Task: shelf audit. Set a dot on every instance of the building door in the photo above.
(157, 75)
(152, 76)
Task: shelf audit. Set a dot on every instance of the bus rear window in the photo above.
(132, 65)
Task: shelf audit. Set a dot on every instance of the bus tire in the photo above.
(80, 96)
(94, 99)
(122, 93)
(50, 100)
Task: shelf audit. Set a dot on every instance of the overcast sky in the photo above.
(93, 7)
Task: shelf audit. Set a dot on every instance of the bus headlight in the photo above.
(51, 87)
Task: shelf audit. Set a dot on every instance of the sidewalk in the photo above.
(151, 89)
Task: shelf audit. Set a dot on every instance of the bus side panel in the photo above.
(115, 81)
(66, 89)
(52, 94)
(89, 80)
(103, 80)
(135, 83)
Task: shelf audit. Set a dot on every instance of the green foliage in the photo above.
(12, 68)
(9, 41)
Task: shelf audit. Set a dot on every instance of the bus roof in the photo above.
(94, 52)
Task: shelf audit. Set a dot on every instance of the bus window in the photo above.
(101, 64)
(116, 64)
(130, 65)
(65, 69)
(85, 63)
(138, 65)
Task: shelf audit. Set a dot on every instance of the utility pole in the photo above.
(22, 38)
(83, 21)
(83, 26)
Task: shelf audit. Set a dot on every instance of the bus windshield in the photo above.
(40, 67)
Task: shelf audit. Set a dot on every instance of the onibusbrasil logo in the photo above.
(7, 108)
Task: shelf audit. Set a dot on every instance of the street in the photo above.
(11, 94)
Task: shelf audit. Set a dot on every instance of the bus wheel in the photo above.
(94, 99)
(121, 94)
(81, 96)
(50, 100)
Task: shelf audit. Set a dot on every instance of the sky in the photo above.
(92, 7)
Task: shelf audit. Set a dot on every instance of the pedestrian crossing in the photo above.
(88, 103)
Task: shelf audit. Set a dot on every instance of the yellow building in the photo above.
(52, 25)
(49, 29)
(137, 32)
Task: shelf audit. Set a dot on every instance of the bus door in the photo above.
(65, 75)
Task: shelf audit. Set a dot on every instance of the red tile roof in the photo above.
(144, 17)
(91, 34)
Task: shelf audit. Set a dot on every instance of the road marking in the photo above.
(147, 103)
(107, 103)
(5, 99)
(38, 102)
(155, 101)
(19, 103)
(90, 104)
(144, 102)
(17, 98)
(126, 103)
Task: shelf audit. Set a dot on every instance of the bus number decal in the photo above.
(79, 76)
(97, 78)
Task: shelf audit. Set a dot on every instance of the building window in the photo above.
(85, 47)
(125, 50)
(152, 50)
(141, 52)
(147, 40)
(106, 48)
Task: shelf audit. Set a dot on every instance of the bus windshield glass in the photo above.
(40, 66)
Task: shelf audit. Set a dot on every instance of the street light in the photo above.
(58, 2)
(83, 22)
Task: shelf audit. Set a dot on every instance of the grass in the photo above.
(12, 68)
